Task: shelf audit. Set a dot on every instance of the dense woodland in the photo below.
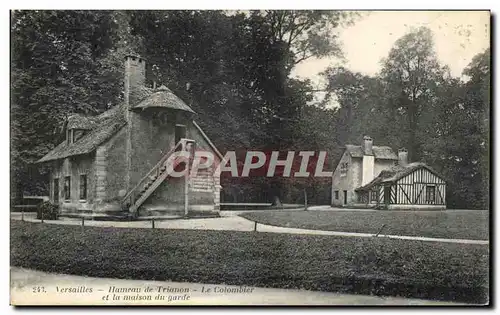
(233, 69)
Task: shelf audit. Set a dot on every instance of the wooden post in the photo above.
(305, 200)
(189, 148)
(255, 227)
(383, 226)
(186, 191)
(83, 221)
(153, 223)
(42, 216)
(22, 214)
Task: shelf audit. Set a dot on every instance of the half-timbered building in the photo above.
(405, 186)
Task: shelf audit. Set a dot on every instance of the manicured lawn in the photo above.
(356, 265)
(441, 224)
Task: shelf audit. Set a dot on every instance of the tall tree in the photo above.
(58, 68)
(362, 106)
(412, 75)
(459, 143)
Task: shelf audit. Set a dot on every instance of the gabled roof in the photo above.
(380, 152)
(163, 97)
(104, 126)
(397, 172)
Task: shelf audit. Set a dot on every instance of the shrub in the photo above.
(50, 211)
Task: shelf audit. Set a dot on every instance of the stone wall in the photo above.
(345, 182)
(116, 167)
(150, 139)
(74, 167)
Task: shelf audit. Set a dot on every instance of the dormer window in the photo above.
(77, 127)
(73, 135)
(77, 134)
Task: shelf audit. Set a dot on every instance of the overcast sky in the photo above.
(458, 37)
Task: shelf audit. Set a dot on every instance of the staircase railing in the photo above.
(131, 196)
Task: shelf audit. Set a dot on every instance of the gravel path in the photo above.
(232, 223)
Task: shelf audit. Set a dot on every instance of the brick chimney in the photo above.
(134, 81)
(368, 161)
(403, 157)
(135, 77)
(367, 145)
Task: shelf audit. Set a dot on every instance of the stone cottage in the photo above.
(359, 165)
(114, 164)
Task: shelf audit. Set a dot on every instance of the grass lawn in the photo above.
(441, 224)
(456, 272)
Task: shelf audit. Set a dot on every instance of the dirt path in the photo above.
(30, 287)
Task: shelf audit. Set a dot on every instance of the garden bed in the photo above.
(442, 271)
(440, 224)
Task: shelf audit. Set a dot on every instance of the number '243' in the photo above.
(39, 290)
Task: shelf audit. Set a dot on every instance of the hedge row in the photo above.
(442, 271)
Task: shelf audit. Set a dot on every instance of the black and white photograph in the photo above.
(250, 157)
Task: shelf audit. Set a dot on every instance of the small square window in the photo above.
(336, 194)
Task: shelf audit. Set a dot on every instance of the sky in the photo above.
(458, 37)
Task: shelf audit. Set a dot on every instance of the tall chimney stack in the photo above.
(135, 77)
(367, 145)
(403, 157)
(368, 170)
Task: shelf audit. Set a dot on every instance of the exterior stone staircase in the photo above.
(150, 182)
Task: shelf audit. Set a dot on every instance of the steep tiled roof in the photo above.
(163, 97)
(104, 126)
(397, 172)
(380, 152)
(78, 121)
(139, 93)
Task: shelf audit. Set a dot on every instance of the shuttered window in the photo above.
(67, 188)
(56, 190)
(83, 187)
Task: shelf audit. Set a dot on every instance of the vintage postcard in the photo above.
(267, 157)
